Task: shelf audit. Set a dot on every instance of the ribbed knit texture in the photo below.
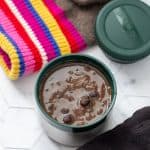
(32, 32)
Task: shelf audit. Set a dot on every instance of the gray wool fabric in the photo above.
(87, 2)
(82, 13)
(133, 134)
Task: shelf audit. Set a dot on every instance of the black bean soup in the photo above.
(75, 94)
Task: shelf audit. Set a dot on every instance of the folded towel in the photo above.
(32, 32)
(133, 134)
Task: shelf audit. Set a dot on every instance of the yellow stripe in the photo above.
(51, 23)
(8, 48)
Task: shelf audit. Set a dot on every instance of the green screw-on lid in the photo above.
(123, 30)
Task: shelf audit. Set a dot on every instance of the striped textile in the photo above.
(32, 32)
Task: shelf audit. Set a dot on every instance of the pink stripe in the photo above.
(10, 29)
(36, 28)
(60, 14)
(6, 58)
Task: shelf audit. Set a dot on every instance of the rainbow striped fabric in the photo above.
(32, 32)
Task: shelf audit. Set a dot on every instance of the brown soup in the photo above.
(76, 94)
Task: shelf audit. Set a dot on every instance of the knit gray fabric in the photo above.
(87, 2)
(133, 134)
(83, 16)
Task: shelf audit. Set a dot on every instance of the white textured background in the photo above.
(19, 127)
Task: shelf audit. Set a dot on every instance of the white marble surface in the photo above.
(19, 127)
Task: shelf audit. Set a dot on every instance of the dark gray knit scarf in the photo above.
(133, 134)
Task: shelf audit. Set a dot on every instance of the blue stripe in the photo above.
(44, 27)
(21, 59)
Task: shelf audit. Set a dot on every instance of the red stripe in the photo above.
(60, 18)
(24, 35)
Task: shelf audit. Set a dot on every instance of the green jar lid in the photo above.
(123, 30)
